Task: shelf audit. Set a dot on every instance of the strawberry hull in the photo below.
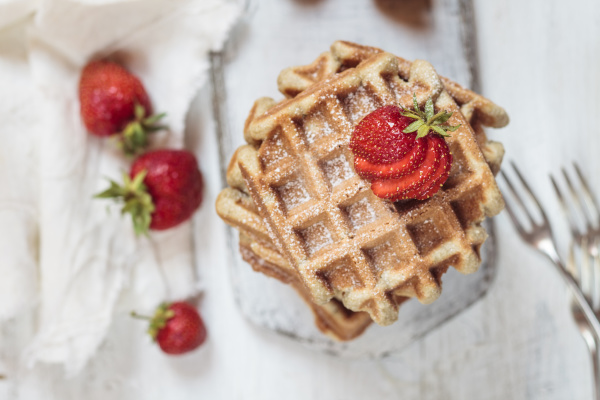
(175, 184)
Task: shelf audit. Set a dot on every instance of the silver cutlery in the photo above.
(539, 236)
(583, 215)
(583, 261)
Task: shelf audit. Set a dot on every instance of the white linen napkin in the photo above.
(88, 256)
(18, 164)
(12, 11)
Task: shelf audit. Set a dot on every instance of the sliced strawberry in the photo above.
(398, 189)
(407, 164)
(441, 152)
(378, 137)
(441, 175)
(403, 152)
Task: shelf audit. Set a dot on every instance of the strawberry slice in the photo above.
(441, 176)
(400, 188)
(443, 154)
(407, 164)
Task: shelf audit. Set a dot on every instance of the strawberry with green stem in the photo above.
(176, 327)
(162, 190)
(113, 102)
(403, 152)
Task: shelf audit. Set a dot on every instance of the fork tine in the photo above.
(587, 192)
(596, 279)
(514, 219)
(572, 265)
(565, 208)
(530, 194)
(587, 272)
(587, 219)
(512, 214)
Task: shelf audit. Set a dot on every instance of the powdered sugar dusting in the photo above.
(359, 104)
(293, 193)
(316, 127)
(339, 118)
(316, 237)
(274, 150)
(360, 214)
(337, 170)
(382, 258)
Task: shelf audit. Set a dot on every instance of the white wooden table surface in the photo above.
(540, 59)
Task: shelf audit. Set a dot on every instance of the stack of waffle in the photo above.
(307, 219)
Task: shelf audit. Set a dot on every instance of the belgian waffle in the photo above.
(343, 241)
(237, 209)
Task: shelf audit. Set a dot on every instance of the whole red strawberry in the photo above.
(403, 152)
(176, 327)
(113, 101)
(163, 189)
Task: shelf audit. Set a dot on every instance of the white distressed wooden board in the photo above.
(538, 58)
(264, 301)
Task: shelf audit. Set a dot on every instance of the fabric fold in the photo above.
(90, 261)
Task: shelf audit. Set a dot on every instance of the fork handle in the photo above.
(548, 247)
(588, 312)
(596, 368)
(591, 318)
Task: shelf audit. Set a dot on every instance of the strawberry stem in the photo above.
(426, 121)
(161, 316)
(158, 320)
(134, 138)
(139, 316)
(135, 198)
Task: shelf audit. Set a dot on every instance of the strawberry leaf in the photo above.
(135, 198)
(415, 103)
(160, 318)
(413, 126)
(139, 111)
(426, 121)
(440, 131)
(429, 109)
(153, 119)
(423, 131)
(114, 190)
(134, 138)
(410, 114)
(439, 118)
(138, 180)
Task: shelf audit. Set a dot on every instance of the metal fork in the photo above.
(584, 262)
(586, 240)
(540, 237)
